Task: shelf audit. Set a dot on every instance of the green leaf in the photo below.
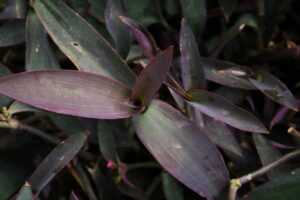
(195, 13)
(39, 54)
(223, 110)
(228, 6)
(86, 48)
(172, 189)
(18, 107)
(117, 29)
(13, 9)
(56, 161)
(182, 149)
(25, 193)
(273, 88)
(97, 8)
(12, 33)
(286, 187)
(4, 101)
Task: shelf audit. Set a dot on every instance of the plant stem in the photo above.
(235, 184)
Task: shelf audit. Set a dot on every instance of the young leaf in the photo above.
(12, 33)
(273, 88)
(192, 72)
(14, 9)
(56, 161)
(195, 13)
(86, 48)
(223, 110)
(25, 193)
(69, 92)
(143, 37)
(117, 29)
(172, 189)
(182, 149)
(39, 54)
(267, 154)
(286, 187)
(152, 77)
(227, 73)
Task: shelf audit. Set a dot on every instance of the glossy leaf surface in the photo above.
(273, 88)
(223, 110)
(192, 72)
(69, 92)
(39, 54)
(86, 48)
(182, 149)
(117, 29)
(152, 77)
(55, 161)
(25, 193)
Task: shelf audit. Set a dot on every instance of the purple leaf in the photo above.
(279, 116)
(227, 73)
(69, 92)
(14, 9)
(191, 64)
(143, 37)
(152, 77)
(82, 44)
(273, 88)
(223, 110)
(55, 161)
(182, 149)
(117, 29)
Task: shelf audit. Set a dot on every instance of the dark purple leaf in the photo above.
(117, 29)
(152, 77)
(55, 161)
(82, 44)
(279, 116)
(39, 54)
(273, 88)
(182, 149)
(192, 72)
(69, 92)
(223, 110)
(227, 73)
(143, 37)
(14, 9)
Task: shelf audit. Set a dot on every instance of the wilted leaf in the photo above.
(273, 88)
(286, 187)
(227, 73)
(56, 161)
(25, 193)
(87, 49)
(182, 149)
(223, 110)
(12, 33)
(69, 92)
(117, 29)
(195, 13)
(14, 9)
(152, 77)
(268, 154)
(172, 189)
(192, 72)
(39, 54)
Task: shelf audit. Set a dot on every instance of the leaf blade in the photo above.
(25, 193)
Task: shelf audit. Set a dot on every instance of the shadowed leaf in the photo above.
(25, 193)
(227, 73)
(117, 29)
(172, 189)
(97, 9)
(73, 196)
(228, 6)
(152, 77)
(87, 49)
(192, 72)
(182, 149)
(39, 54)
(14, 9)
(12, 33)
(19, 107)
(273, 88)
(69, 92)
(286, 187)
(4, 101)
(194, 11)
(223, 110)
(56, 161)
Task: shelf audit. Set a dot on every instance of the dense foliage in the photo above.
(142, 99)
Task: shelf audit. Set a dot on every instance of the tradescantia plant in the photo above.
(160, 95)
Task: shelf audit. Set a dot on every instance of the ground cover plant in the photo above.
(149, 99)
